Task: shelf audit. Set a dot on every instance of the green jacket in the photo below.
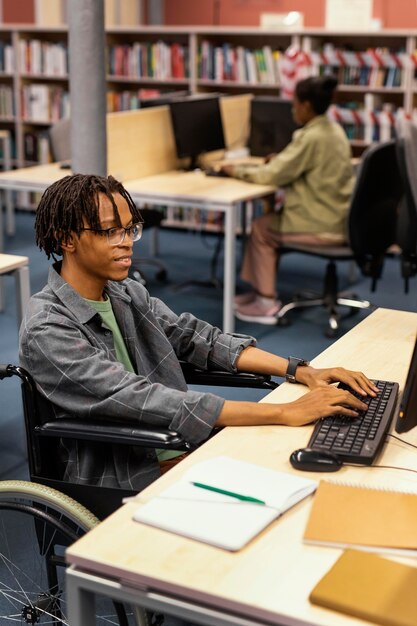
(316, 174)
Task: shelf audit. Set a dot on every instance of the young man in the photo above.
(97, 344)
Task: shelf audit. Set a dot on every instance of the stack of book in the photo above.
(157, 60)
(238, 64)
(43, 57)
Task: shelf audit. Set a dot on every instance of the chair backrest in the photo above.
(374, 207)
(59, 139)
(406, 145)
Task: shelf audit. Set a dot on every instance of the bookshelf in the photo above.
(377, 74)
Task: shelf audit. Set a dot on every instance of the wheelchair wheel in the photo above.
(37, 523)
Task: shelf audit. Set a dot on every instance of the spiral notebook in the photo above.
(221, 520)
(367, 518)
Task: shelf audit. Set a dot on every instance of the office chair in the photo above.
(43, 430)
(60, 145)
(406, 145)
(372, 230)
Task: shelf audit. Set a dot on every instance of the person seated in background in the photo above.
(316, 176)
(98, 345)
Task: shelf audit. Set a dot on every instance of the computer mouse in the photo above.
(309, 460)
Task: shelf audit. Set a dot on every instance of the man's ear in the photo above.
(67, 245)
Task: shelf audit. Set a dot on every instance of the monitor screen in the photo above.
(197, 125)
(271, 125)
(407, 416)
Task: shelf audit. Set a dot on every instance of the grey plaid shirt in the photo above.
(71, 356)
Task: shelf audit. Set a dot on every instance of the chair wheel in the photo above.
(331, 333)
(161, 276)
(283, 321)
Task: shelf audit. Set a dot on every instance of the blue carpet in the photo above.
(187, 256)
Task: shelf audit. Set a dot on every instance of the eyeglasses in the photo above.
(116, 236)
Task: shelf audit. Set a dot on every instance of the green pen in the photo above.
(238, 496)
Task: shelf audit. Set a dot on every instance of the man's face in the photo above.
(92, 261)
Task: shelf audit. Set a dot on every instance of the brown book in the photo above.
(370, 518)
(370, 587)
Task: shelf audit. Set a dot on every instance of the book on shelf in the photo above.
(36, 147)
(224, 502)
(7, 64)
(369, 587)
(7, 109)
(367, 518)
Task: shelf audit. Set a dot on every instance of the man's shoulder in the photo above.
(41, 306)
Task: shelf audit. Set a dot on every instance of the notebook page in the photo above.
(218, 519)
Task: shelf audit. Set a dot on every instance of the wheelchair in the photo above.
(41, 518)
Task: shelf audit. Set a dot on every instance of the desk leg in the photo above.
(8, 194)
(10, 221)
(22, 291)
(229, 268)
(154, 242)
(80, 602)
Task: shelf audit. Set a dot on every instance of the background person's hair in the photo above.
(318, 90)
(72, 203)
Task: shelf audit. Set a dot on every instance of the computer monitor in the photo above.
(197, 125)
(271, 125)
(407, 415)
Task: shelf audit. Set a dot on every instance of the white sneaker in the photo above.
(256, 311)
(244, 298)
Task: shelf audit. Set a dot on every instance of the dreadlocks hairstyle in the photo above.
(69, 203)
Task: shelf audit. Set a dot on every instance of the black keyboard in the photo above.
(219, 173)
(358, 439)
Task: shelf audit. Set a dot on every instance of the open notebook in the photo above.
(218, 519)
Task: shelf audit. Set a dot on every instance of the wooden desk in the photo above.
(18, 266)
(171, 189)
(268, 582)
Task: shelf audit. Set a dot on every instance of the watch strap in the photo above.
(293, 363)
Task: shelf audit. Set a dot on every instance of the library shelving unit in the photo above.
(377, 73)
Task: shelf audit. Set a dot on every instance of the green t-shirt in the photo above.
(105, 309)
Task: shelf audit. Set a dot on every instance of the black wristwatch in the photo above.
(293, 363)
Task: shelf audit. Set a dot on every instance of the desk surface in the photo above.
(172, 186)
(269, 579)
(196, 187)
(10, 262)
(36, 178)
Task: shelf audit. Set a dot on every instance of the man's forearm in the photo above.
(253, 359)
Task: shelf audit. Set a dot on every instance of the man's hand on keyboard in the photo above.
(313, 378)
(321, 402)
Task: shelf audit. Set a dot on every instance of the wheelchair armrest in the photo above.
(112, 432)
(194, 376)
